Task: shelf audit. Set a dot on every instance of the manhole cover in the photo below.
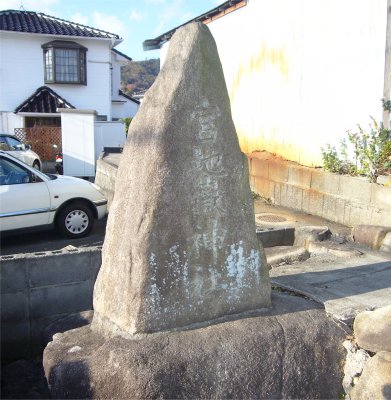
(270, 218)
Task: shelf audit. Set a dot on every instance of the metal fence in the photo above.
(41, 139)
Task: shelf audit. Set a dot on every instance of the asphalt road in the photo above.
(49, 240)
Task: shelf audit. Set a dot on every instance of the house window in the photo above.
(65, 62)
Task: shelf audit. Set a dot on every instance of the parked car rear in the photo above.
(20, 150)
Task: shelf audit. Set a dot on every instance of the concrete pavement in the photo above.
(344, 276)
(346, 286)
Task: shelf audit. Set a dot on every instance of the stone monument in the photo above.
(180, 244)
(180, 303)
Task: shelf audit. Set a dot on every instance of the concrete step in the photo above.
(285, 255)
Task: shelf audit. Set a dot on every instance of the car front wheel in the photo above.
(75, 221)
(36, 165)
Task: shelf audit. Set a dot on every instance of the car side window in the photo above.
(3, 144)
(14, 143)
(12, 173)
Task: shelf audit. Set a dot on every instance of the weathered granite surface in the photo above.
(370, 235)
(293, 350)
(375, 381)
(180, 243)
(372, 329)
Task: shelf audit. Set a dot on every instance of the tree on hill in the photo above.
(138, 76)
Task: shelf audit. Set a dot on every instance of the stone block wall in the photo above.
(339, 198)
(37, 289)
(105, 178)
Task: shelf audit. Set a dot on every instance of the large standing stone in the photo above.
(180, 244)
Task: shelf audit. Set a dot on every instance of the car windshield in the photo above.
(12, 174)
(36, 172)
(14, 143)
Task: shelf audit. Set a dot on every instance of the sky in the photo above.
(133, 20)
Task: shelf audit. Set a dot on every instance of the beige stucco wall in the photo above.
(300, 72)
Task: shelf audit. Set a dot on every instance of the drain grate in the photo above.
(270, 218)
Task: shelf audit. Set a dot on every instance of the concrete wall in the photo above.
(106, 173)
(78, 142)
(108, 134)
(37, 289)
(300, 73)
(339, 198)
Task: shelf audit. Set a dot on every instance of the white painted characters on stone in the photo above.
(238, 268)
(241, 266)
(154, 289)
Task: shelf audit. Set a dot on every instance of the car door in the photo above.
(24, 197)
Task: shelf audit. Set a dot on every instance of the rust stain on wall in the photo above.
(256, 89)
(266, 56)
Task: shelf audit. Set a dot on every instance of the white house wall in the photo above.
(116, 73)
(10, 121)
(125, 110)
(22, 72)
(300, 72)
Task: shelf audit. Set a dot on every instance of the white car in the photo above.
(30, 199)
(22, 151)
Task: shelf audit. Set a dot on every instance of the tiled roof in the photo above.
(122, 54)
(209, 16)
(33, 22)
(121, 93)
(43, 100)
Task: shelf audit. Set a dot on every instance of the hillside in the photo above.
(139, 75)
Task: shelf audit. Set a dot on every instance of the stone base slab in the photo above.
(293, 350)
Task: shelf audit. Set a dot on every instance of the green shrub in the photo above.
(369, 155)
(127, 121)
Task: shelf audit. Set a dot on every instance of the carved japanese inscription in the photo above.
(180, 244)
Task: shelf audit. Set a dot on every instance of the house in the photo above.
(48, 64)
(300, 73)
(140, 95)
